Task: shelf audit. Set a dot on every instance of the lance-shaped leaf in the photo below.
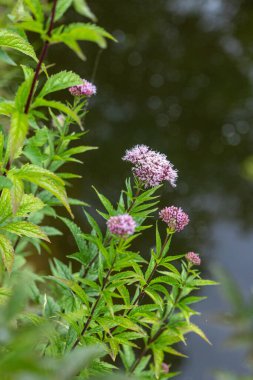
(17, 134)
(43, 178)
(7, 108)
(83, 9)
(39, 102)
(23, 92)
(24, 228)
(29, 204)
(17, 192)
(15, 41)
(82, 32)
(61, 7)
(5, 205)
(7, 252)
(60, 81)
(35, 7)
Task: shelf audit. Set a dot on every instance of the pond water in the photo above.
(180, 80)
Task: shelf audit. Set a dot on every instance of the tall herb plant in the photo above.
(121, 309)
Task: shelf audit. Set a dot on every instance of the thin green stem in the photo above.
(94, 307)
(161, 329)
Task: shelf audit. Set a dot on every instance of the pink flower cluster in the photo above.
(150, 167)
(88, 89)
(165, 368)
(175, 218)
(121, 225)
(193, 258)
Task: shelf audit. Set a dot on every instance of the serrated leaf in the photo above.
(83, 9)
(43, 178)
(61, 7)
(35, 7)
(29, 204)
(7, 108)
(39, 102)
(7, 252)
(17, 134)
(82, 32)
(24, 228)
(5, 205)
(76, 232)
(22, 94)
(60, 81)
(15, 41)
(198, 331)
(17, 191)
(105, 202)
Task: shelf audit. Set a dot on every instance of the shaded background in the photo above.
(180, 80)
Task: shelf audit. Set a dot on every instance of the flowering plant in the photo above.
(119, 309)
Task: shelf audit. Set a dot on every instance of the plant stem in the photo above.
(150, 277)
(160, 330)
(96, 256)
(41, 59)
(96, 303)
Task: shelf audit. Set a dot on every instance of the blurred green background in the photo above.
(179, 80)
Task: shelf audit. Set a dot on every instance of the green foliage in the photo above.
(118, 307)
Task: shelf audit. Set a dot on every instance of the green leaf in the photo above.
(7, 108)
(22, 94)
(5, 183)
(76, 232)
(83, 9)
(39, 102)
(5, 205)
(29, 204)
(24, 228)
(35, 7)
(17, 134)
(198, 331)
(4, 57)
(203, 282)
(17, 191)
(82, 32)
(15, 41)
(60, 81)
(7, 252)
(105, 202)
(43, 178)
(61, 7)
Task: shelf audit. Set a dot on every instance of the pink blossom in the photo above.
(121, 225)
(88, 89)
(165, 368)
(175, 218)
(193, 258)
(150, 167)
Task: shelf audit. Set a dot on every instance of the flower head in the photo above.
(86, 88)
(121, 225)
(165, 368)
(175, 218)
(150, 167)
(193, 258)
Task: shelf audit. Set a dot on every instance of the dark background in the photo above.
(179, 80)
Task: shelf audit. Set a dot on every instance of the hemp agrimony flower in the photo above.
(88, 89)
(150, 167)
(121, 225)
(175, 218)
(193, 258)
